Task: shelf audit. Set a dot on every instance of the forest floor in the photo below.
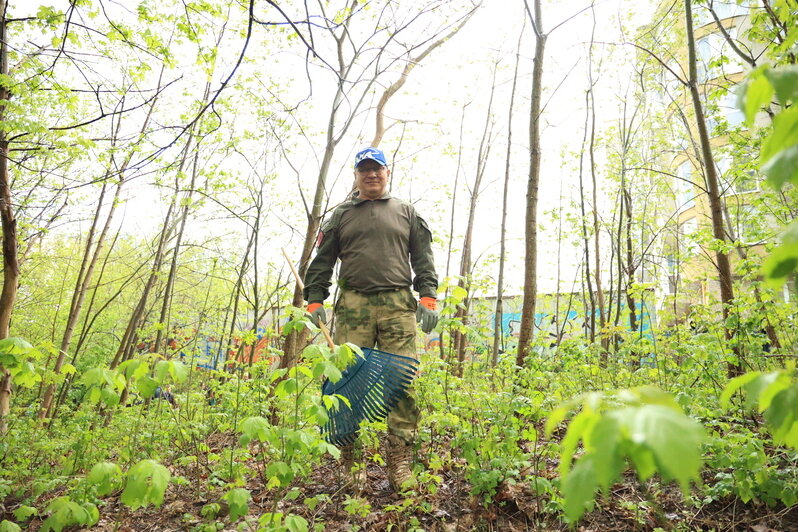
(451, 508)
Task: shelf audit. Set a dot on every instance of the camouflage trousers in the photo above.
(385, 321)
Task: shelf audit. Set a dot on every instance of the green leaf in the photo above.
(24, 374)
(211, 510)
(254, 428)
(785, 82)
(755, 388)
(782, 417)
(238, 501)
(319, 413)
(8, 526)
(296, 523)
(783, 167)
(556, 417)
(602, 443)
(673, 438)
(757, 94)
(779, 264)
(23, 513)
(734, 385)
(64, 512)
(774, 383)
(175, 369)
(579, 487)
(134, 369)
(332, 372)
(106, 477)
(146, 484)
(579, 426)
(783, 135)
(147, 386)
(14, 346)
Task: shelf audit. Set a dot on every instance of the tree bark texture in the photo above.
(460, 337)
(9, 227)
(531, 220)
(713, 194)
(498, 332)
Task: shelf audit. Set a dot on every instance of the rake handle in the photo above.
(324, 330)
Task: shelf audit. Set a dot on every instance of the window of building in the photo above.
(733, 179)
(728, 108)
(709, 50)
(748, 230)
(687, 230)
(672, 266)
(723, 10)
(685, 192)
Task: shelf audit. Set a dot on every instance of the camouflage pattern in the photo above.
(385, 321)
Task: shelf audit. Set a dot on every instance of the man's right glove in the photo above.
(426, 313)
(317, 313)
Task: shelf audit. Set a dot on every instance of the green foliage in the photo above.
(237, 500)
(8, 526)
(64, 512)
(23, 513)
(644, 425)
(779, 152)
(103, 385)
(106, 477)
(146, 484)
(741, 467)
(775, 394)
(15, 356)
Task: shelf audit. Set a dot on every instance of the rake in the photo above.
(372, 385)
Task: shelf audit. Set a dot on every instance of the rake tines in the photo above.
(374, 384)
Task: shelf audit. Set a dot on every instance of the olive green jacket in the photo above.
(377, 241)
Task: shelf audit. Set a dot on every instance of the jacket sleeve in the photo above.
(425, 281)
(317, 278)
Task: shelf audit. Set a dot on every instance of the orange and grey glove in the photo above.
(426, 314)
(317, 313)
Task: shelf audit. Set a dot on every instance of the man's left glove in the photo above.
(426, 313)
(317, 313)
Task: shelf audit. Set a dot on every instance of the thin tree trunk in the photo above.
(591, 319)
(393, 88)
(460, 338)
(531, 230)
(596, 226)
(713, 192)
(90, 257)
(128, 341)
(453, 210)
(498, 316)
(9, 225)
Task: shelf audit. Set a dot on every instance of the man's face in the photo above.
(372, 179)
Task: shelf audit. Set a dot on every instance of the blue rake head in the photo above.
(373, 384)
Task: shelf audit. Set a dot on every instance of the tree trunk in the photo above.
(460, 337)
(596, 228)
(128, 342)
(531, 221)
(9, 225)
(90, 258)
(590, 321)
(453, 210)
(714, 196)
(497, 320)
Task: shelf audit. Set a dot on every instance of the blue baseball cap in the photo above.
(370, 153)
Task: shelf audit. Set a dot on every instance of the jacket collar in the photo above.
(358, 200)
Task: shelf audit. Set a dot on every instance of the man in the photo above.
(378, 239)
